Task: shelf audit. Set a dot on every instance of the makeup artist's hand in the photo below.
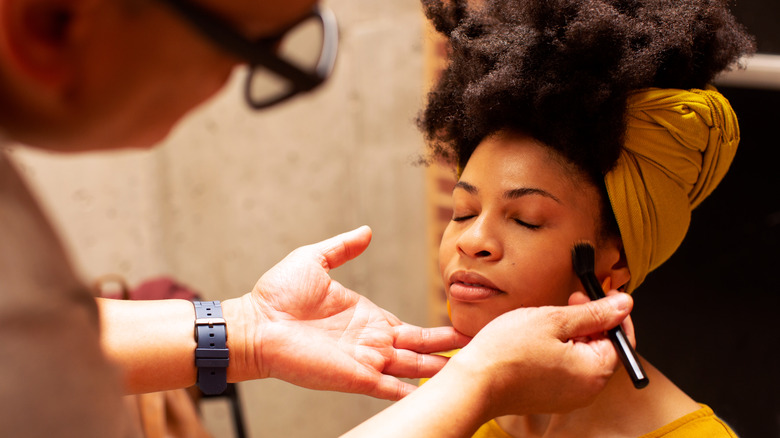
(545, 359)
(627, 324)
(522, 362)
(301, 326)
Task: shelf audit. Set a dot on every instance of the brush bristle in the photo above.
(583, 258)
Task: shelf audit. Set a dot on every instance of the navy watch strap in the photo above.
(211, 354)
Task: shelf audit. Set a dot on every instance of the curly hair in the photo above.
(561, 70)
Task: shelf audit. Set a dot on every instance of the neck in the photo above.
(620, 410)
(526, 426)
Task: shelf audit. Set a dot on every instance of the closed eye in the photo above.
(527, 225)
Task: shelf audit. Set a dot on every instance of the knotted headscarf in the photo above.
(678, 146)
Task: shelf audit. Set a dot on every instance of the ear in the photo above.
(620, 273)
(37, 36)
(616, 265)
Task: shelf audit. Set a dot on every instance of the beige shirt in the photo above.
(54, 379)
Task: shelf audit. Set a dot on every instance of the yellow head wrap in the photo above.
(678, 146)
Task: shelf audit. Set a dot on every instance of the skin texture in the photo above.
(297, 325)
(503, 252)
(517, 213)
(539, 368)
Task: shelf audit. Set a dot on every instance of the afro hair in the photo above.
(561, 70)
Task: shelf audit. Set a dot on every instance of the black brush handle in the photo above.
(618, 337)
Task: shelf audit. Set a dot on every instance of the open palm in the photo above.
(315, 333)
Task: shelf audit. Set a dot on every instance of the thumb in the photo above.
(596, 316)
(344, 247)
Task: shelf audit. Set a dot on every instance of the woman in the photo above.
(579, 121)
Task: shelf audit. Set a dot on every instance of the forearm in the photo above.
(152, 342)
(450, 405)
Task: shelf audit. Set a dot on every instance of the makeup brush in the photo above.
(583, 258)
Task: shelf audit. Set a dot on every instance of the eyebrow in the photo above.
(510, 194)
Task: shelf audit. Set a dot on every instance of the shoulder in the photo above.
(700, 423)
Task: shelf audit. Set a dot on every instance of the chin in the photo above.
(98, 142)
(469, 318)
(145, 140)
(139, 141)
(466, 324)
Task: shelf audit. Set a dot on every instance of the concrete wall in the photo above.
(231, 192)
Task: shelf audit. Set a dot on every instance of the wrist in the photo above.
(242, 335)
(475, 384)
(460, 412)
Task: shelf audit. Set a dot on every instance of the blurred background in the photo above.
(232, 191)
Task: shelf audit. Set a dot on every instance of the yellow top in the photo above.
(698, 424)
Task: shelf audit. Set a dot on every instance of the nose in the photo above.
(479, 240)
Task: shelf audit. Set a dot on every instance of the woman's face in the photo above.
(518, 211)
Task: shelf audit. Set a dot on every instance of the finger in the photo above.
(598, 357)
(575, 299)
(595, 316)
(390, 388)
(364, 380)
(627, 324)
(578, 298)
(342, 248)
(413, 365)
(428, 340)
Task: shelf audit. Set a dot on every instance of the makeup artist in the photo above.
(84, 75)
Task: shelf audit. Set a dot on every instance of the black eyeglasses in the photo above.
(297, 60)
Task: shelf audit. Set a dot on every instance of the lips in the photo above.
(471, 287)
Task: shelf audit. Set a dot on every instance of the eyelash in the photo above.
(527, 225)
(518, 221)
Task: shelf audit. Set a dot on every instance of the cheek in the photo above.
(186, 88)
(447, 249)
(541, 276)
(168, 102)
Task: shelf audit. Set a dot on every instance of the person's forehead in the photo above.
(260, 17)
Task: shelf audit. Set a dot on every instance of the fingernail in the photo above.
(620, 301)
